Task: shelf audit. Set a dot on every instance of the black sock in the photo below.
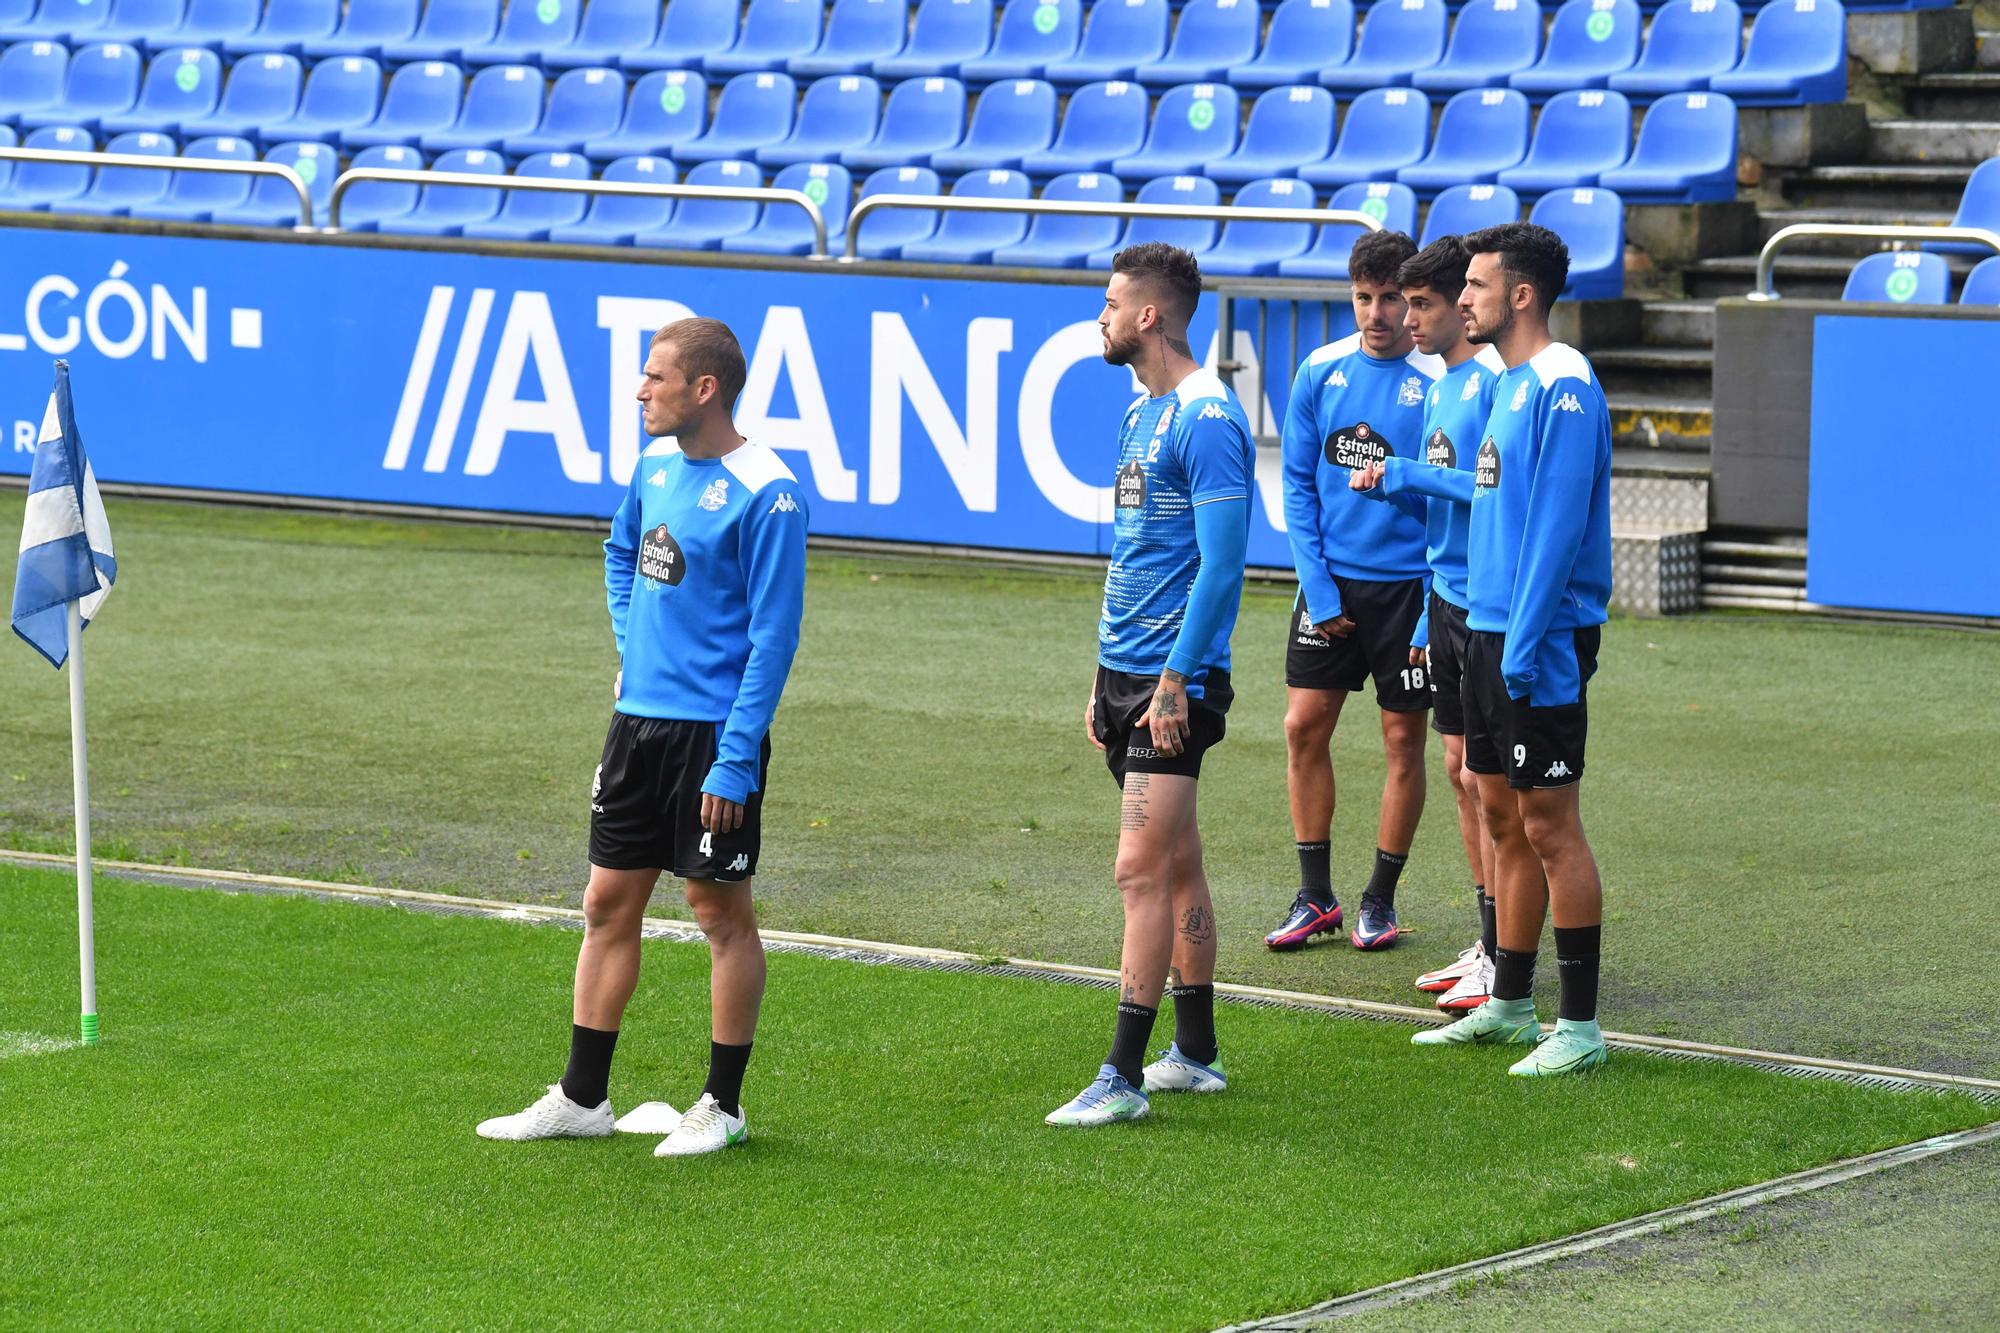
(1194, 1022)
(1316, 871)
(1128, 1041)
(1576, 971)
(1388, 869)
(1489, 927)
(725, 1075)
(1513, 974)
(589, 1073)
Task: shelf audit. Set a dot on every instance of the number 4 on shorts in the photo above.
(708, 839)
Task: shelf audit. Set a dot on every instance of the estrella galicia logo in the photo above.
(660, 557)
(1486, 469)
(1356, 446)
(1131, 493)
(1438, 451)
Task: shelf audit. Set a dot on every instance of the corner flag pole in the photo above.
(86, 929)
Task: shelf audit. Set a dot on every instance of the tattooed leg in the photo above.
(1158, 809)
(1194, 912)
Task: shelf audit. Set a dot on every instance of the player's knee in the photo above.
(609, 906)
(1404, 751)
(1307, 729)
(724, 917)
(1139, 874)
(1503, 826)
(1551, 832)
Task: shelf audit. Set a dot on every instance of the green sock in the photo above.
(1518, 1011)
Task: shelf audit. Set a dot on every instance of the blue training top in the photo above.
(705, 569)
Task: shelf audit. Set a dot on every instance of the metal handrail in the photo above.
(556, 185)
(1769, 255)
(951, 203)
(79, 158)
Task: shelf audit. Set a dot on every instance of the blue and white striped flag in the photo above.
(65, 541)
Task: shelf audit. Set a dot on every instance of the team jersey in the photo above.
(1177, 453)
(705, 570)
(1455, 413)
(1540, 545)
(1350, 408)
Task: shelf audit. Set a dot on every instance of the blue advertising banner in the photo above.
(956, 412)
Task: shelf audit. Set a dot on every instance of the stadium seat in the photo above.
(273, 203)
(261, 90)
(1686, 153)
(448, 30)
(1009, 121)
(702, 224)
(1797, 54)
(1385, 130)
(342, 94)
(365, 28)
(1193, 126)
(1465, 208)
(924, 116)
(784, 229)
(1480, 134)
(1589, 41)
(1305, 37)
(1391, 204)
(1901, 277)
(945, 35)
(446, 210)
(1120, 36)
(755, 110)
(32, 75)
(1982, 285)
(287, 25)
(1398, 38)
(584, 104)
(1690, 42)
(691, 31)
(1057, 240)
(15, 16)
(502, 102)
(883, 235)
(8, 139)
(1032, 34)
(667, 107)
(528, 215)
(1103, 122)
(116, 189)
(971, 238)
(774, 31)
(73, 22)
(365, 206)
(103, 80)
(837, 113)
(181, 84)
(1492, 41)
(151, 25)
(1195, 235)
(195, 195)
(609, 29)
(38, 185)
(529, 29)
(1251, 248)
(1579, 136)
(423, 98)
(1979, 206)
(616, 219)
(858, 33)
(213, 22)
(1210, 38)
(1592, 224)
(1289, 128)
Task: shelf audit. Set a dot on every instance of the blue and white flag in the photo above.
(65, 541)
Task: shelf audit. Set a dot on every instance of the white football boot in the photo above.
(555, 1116)
(705, 1128)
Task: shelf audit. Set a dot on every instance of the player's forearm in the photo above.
(1222, 534)
(1551, 538)
(1408, 477)
(734, 775)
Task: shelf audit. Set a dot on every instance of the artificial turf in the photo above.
(277, 1130)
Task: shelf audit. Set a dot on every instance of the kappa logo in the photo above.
(742, 862)
(1213, 412)
(597, 790)
(659, 478)
(1520, 397)
(1557, 770)
(1568, 403)
(1412, 392)
(716, 496)
(1131, 418)
(1434, 397)
(1471, 390)
(784, 504)
(1339, 380)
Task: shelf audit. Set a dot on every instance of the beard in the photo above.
(1493, 334)
(1120, 352)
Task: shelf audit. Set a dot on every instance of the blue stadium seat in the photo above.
(213, 22)
(1210, 38)
(1686, 153)
(616, 219)
(1193, 126)
(1797, 54)
(151, 25)
(194, 195)
(1465, 208)
(528, 215)
(1398, 38)
(667, 107)
(366, 27)
(366, 205)
(273, 203)
(1010, 120)
(287, 26)
(1120, 36)
(1103, 122)
(1592, 224)
(610, 29)
(1900, 277)
(71, 21)
(1059, 241)
(423, 98)
(103, 80)
(261, 90)
(529, 30)
(1289, 128)
(584, 104)
(837, 113)
(1982, 285)
(448, 30)
(32, 75)
(784, 229)
(446, 210)
(883, 235)
(1032, 34)
(971, 238)
(8, 139)
(1979, 206)
(1386, 130)
(1580, 136)
(946, 34)
(858, 33)
(181, 84)
(342, 94)
(40, 185)
(501, 102)
(702, 224)
(1480, 134)
(1589, 41)
(1306, 37)
(692, 31)
(774, 31)
(1391, 204)
(116, 189)
(924, 116)
(1491, 41)
(1194, 235)
(1690, 42)
(754, 111)
(15, 16)
(1251, 248)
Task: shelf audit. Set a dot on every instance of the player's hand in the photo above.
(1167, 716)
(1420, 657)
(1090, 720)
(720, 816)
(1366, 478)
(618, 685)
(1337, 628)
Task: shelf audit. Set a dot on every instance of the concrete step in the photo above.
(1684, 373)
(1678, 324)
(1925, 188)
(1963, 95)
(1675, 429)
(1934, 141)
(1771, 221)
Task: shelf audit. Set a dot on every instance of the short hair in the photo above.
(1439, 266)
(1169, 269)
(707, 347)
(1377, 255)
(1530, 254)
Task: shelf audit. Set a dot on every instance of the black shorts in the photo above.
(1534, 746)
(1122, 700)
(645, 803)
(1449, 637)
(1385, 618)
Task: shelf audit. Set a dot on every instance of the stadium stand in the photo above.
(1465, 208)
(1386, 130)
(785, 230)
(754, 111)
(195, 196)
(1057, 241)
(102, 80)
(1287, 126)
(1389, 203)
(858, 33)
(944, 35)
(971, 238)
(37, 185)
(887, 232)
(1010, 120)
(271, 203)
(608, 30)
(501, 102)
(1103, 122)
(1210, 37)
(259, 90)
(1397, 39)
(342, 94)
(1979, 206)
(837, 113)
(423, 98)
(1192, 235)
(147, 24)
(1492, 41)
(1193, 126)
(213, 22)
(774, 31)
(1904, 277)
(1480, 134)
(1690, 42)
(923, 117)
(445, 210)
(1982, 286)
(528, 32)
(1253, 248)
(1592, 224)
(366, 27)
(116, 189)
(1797, 54)
(1589, 41)
(69, 21)
(1032, 33)
(1579, 136)
(584, 104)
(1305, 38)
(367, 204)
(667, 107)
(181, 84)
(691, 31)
(1118, 37)
(528, 215)
(31, 77)
(447, 30)
(286, 26)
(614, 219)
(1686, 153)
